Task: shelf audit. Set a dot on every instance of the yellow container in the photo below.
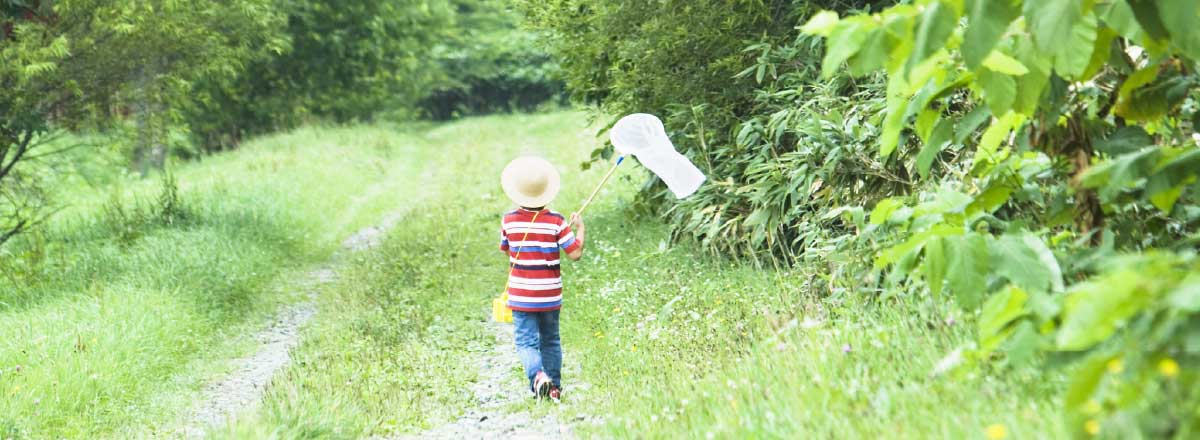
(500, 310)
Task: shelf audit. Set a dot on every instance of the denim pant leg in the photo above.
(528, 342)
(551, 346)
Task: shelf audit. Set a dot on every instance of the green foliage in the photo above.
(738, 93)
(81, 63)
(490, 66)
(1091, 105)
(358, 60)
(343, 61)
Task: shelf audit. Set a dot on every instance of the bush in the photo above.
(739, 94)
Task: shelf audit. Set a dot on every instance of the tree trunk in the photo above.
(150, 153)
(1089, 217)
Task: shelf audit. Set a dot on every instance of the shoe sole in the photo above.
(543, 391)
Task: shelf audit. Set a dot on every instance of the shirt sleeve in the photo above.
(566, 239)
(503, 237)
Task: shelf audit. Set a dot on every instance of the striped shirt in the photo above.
(533, 245)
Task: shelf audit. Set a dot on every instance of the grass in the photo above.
(118, 310)
(670, 342)
(124, 306)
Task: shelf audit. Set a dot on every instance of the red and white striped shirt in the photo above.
(533, 246)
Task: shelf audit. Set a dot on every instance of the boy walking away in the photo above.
(533, 237)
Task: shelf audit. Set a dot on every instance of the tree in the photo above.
(75, 62)
(346, 61)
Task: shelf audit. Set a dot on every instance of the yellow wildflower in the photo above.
(996, 431)
(1168, 367)
(1115, 366)
(1092, 427)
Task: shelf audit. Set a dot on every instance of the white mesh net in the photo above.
(643, 136)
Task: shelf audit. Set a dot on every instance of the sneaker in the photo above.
(555, 394)
(542, 385)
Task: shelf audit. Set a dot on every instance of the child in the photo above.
(532, 236)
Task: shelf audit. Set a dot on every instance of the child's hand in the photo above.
(577, 223)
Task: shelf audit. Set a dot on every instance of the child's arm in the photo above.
(503, 239)
(580, 230)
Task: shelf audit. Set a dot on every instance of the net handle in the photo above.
(601, 185)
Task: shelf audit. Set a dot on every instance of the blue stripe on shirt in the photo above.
(568, 243)
(537, 267)
(532, 305)
(542, 250)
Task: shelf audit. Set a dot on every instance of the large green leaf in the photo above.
(1052, 22)
(845, 40)
(821, 23)
(938, 140)
(914, 243)
(1095, 309)
(1000, 310)
(1154, 101)
(1084, 381)
(1146, 13)
(998, 90)
(1181, 18)
(934, 26)
(1016, 260)
(1000, 62)
(935, 265)
(1120, 173)
(884, 209)
(878, 47)
(1119, 16)
(1030, 85)
(1176, 169)
(966, 275)
(987, 21)
(1072, 55)
(971, 122)
(1186, 296)
(1124, 140)
(893, 122)
(996, 134)
(1101, 52)
(872, 55)
(1022, 344)
(991, 199)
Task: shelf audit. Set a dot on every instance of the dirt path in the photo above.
(243, 388)
(498, 389)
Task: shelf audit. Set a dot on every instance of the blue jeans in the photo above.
(538, 344)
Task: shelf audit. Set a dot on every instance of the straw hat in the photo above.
(530, 181)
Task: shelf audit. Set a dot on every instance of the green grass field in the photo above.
(115, 313)
(119, 326)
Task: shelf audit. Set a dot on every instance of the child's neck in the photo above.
(534, 209)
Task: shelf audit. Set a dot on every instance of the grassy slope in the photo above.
(112, 316)
(673, 343)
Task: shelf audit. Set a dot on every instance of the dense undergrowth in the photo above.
(1032, 163)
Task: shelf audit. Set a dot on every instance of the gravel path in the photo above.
(243, 388)
(495, 390)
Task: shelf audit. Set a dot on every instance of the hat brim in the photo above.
(508, 181)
